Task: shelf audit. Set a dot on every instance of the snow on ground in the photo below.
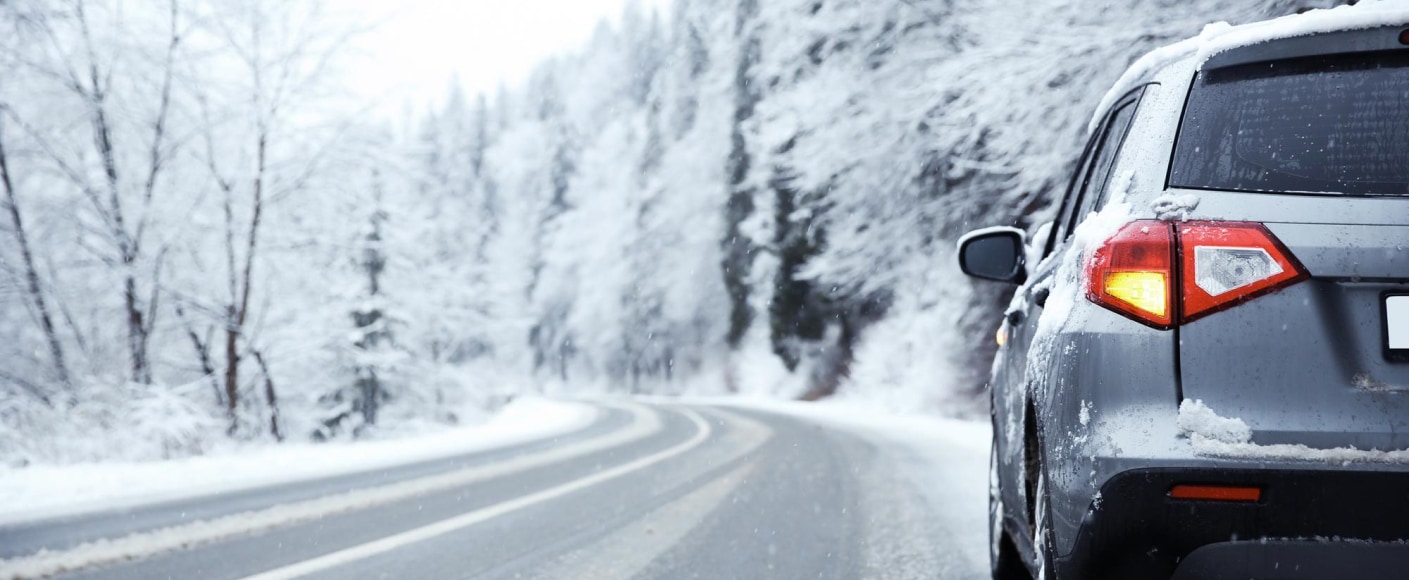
(959, 435)
(47, 491)
(945, 458)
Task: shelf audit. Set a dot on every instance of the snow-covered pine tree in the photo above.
(376, 360)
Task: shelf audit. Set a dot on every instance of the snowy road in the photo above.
(646, 491)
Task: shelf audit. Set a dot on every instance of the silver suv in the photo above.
(1205, 368)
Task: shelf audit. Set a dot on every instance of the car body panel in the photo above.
(1274, 208)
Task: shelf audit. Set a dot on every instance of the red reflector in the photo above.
(1404, 37)
(1132, 273)
(1227, 263)
(1216, 493)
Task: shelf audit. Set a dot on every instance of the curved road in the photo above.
(646, 491)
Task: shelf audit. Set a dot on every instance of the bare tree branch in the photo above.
(158, 158)
(36, 288)
(202, 348)
(68, 171)
(270, 398)
(29, 387)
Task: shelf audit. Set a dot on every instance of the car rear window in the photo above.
(1329, 125)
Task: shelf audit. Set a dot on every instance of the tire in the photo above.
(1004, 561)
(1042, 534)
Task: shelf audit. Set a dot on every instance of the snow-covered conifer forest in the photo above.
(206, 241)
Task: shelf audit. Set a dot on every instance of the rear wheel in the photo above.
(1003, 558)
(1042, 532)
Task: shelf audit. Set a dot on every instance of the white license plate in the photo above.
(1397, 324)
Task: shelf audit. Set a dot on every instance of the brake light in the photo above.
(1133, 273)
(1227, 263)
(1213, 266)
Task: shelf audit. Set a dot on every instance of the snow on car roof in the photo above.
(1220, 37)
(1369, 14)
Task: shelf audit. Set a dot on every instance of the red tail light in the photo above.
(1133, 273)
(1227, 263)
(1213, 265)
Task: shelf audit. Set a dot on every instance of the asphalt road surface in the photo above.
(646, 491)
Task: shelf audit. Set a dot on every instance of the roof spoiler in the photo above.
(1342, 42)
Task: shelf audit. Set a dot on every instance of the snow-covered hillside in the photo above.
(204, 239)
(770, 190)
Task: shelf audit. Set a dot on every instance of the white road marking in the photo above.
(644, 423)
(630, 549)
(627, 551)
(389, 543)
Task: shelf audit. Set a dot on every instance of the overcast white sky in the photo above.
(420, 45)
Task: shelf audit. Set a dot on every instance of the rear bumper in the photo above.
(1306, 523)
(1294, 560)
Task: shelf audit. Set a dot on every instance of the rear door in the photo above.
(1316, 147)
(1015, 427)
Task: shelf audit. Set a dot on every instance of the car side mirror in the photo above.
(994, 253)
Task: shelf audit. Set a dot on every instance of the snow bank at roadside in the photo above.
(874, 419)
(46, 491)
(1216, 436)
